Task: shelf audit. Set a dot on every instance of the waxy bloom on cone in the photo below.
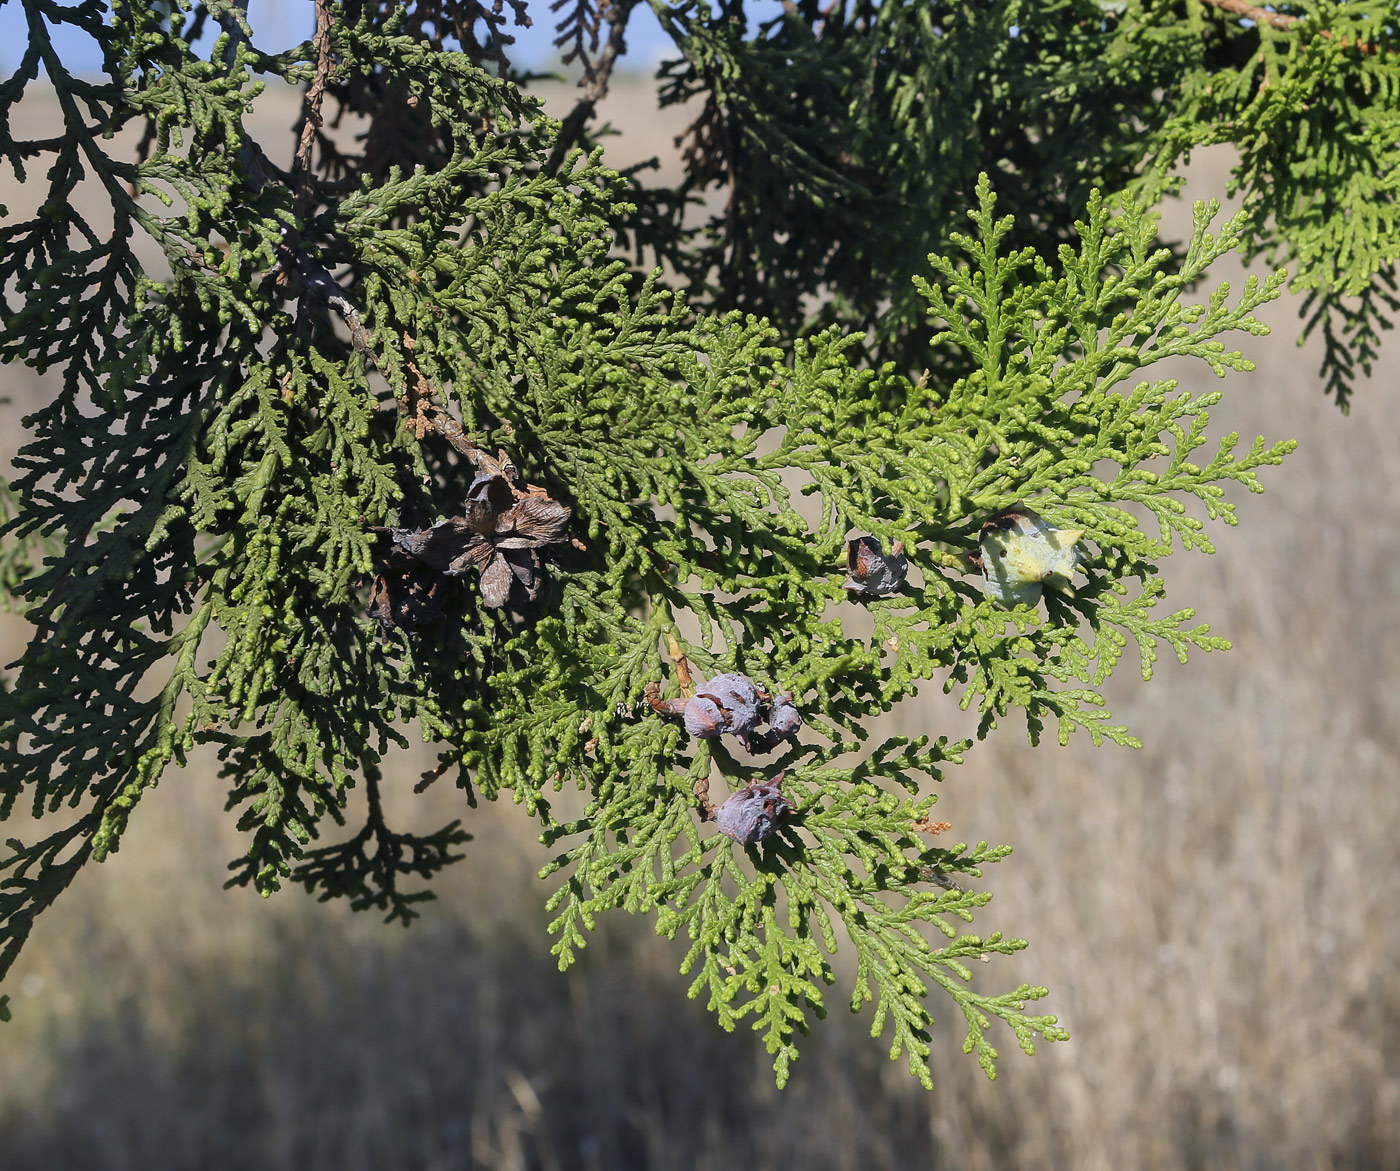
(1020, 551)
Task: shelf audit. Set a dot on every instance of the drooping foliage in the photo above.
(847, 138)
(445, 429)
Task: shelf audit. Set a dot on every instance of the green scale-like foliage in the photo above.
(844, 140)
(200, 513)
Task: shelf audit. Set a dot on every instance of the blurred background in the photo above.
(1215, 914)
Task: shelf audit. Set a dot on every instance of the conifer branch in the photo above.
(36, 146)
(317, 280)
(741, 432)
(418, 404)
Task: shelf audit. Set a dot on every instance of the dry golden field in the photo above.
(1215, 915)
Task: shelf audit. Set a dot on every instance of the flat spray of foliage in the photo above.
(283, 364)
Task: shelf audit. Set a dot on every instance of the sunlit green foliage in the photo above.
(330, 353)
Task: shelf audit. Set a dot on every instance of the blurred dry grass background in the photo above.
(1215, 916)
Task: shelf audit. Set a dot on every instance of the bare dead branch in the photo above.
(594, 84)
(311, 120)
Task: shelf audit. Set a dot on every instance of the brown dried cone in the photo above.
(405, 592)
(498, 534)
(870, 571)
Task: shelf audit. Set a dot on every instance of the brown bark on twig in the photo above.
(1281, 21)
(311, 119)
(291, 256)
(1253, 12)
(673, 645)
(418, 404)
(315, 279)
